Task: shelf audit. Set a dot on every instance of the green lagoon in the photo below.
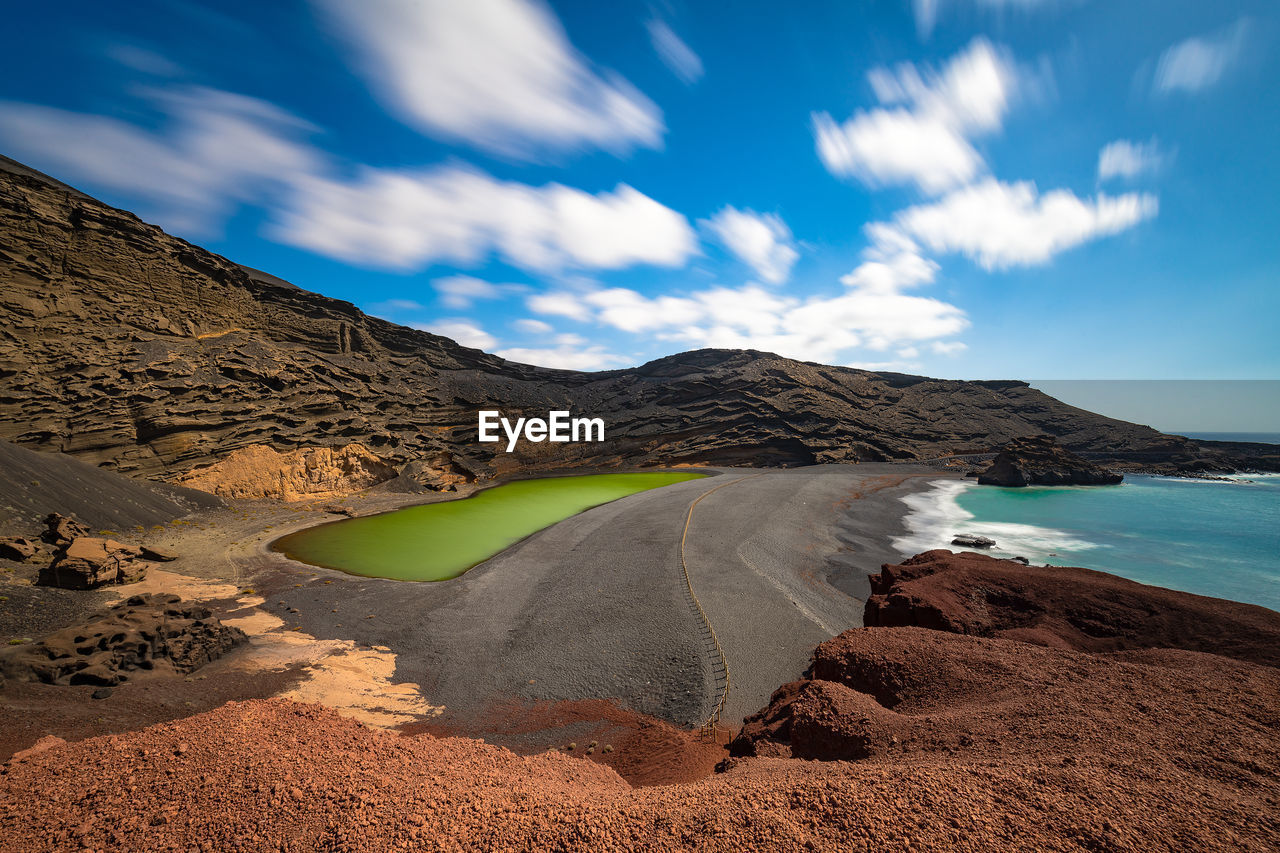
(439, 541)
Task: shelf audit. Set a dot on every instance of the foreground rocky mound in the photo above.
(275, 776)
(895, 693)
(1038, 460)
(131, 349)
(1064, 607)
(145, 633)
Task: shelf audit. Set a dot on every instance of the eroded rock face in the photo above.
(88, 562)
(132, 349)
(60, 530)
(144, 633)
(1038, 460)
(437, 473)
(319, 472)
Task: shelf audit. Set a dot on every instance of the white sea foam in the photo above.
(936, 517)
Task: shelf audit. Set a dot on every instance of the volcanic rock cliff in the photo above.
(132, 349)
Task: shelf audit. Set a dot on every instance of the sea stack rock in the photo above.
(1038, 460)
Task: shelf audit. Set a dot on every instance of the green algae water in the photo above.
(1204, 536)
(439, 541)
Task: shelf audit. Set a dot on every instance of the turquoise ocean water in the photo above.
(1211, 538)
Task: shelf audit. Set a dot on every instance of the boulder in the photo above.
(970, 540)
(17, 548)
(61, 529)
(156, 632)
(1038, 460)
(88, 562)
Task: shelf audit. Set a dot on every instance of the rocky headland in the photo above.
(1039, 460)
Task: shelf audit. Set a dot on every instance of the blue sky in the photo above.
(960, 188)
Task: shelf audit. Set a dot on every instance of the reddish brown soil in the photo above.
(930, 740)
(1064, 607)
(641, 749)
(272, 775)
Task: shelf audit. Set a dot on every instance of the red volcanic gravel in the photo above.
(641, 749)
(271, 775)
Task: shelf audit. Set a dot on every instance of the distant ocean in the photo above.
(1208, 537)
(1262, 437)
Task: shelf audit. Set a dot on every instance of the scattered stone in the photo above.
(334, 509)
(17, 548)
(102, 693)
(143, 633)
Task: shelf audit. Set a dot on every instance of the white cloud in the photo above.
(673, 52)
(498, 74)
(627, 310)
(532, 327)
(1001, 225)
(565, 357)
(462, 291)
(395, 306)
(926, 11)
(559, 305)
(143, 60)
(1198, 63)
(1126, 159)
(924, 137)
(761, 241)
(461, 330)
(213, 150)
(412, 219)
(814, 329)
(948, 347)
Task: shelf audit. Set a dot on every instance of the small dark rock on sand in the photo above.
(971, 540)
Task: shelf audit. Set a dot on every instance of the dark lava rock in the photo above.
(969, 540)
(144, 633)
(102, 693)
(968, 593)
(1039, 461)
(87, 562)
(17, 548)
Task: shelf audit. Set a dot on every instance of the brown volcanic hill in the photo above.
(135, 350)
